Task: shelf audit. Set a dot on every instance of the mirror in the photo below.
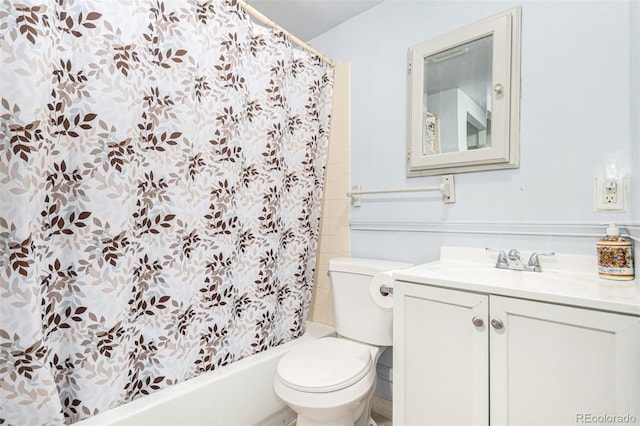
(464, 98)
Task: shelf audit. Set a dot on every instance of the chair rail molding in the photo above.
(532, 228)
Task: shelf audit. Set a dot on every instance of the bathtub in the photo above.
(237, 394)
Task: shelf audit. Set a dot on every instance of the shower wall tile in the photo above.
(334, 222)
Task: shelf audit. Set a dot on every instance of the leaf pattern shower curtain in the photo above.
(161, 172)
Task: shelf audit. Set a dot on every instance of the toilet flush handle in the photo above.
(386, 290)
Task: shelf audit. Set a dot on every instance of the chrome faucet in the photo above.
(534, 263)
(512, 260)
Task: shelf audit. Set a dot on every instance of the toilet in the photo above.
(331, 381)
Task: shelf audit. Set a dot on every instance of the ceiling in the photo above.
(307, 19)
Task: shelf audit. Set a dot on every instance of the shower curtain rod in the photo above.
(266, 21)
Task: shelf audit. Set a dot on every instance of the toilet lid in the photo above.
(324, 365)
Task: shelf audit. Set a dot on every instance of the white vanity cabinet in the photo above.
(473, 357)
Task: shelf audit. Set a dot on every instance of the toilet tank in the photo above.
(356, 314)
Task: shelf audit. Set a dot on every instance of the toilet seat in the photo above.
(324, 365)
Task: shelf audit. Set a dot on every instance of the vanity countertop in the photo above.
(565, 279)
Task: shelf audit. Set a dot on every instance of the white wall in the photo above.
(634, 107)
(576, 115)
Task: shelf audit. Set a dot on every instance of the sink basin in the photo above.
(506, 277)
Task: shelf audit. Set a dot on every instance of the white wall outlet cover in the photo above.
(610, 193)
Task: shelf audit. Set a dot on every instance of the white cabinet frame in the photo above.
(510, 361)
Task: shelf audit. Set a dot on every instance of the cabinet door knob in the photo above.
(497, 324)
(477, 321)
(498, 88)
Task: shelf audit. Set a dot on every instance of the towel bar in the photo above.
(446, 187)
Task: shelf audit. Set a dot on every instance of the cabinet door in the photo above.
(553, 365)
(440, 357)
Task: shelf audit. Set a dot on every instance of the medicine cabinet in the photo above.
(464, 99)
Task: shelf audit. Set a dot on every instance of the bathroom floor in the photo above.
(380, 419)
(381, 411)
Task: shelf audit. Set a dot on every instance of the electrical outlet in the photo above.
(609, 194)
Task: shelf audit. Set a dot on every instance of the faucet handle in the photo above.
(534, 262)
(502, 258)
(514, 254)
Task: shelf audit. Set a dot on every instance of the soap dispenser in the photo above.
(615, 256)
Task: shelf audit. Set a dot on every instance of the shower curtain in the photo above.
(161, 172)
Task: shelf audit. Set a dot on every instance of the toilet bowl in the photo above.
(330, 381)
